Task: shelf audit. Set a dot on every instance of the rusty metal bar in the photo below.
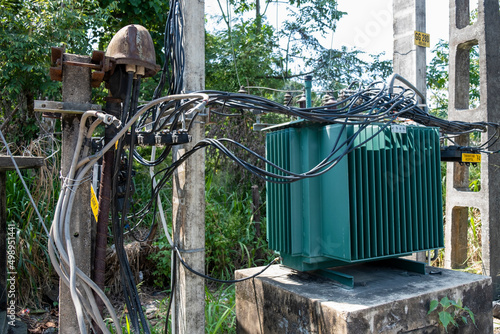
(113, 107)
(89, 65)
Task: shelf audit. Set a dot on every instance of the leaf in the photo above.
(223, 318)
(445, 318)
(471, 314)
(445, 302)
(434, 304)
(127, 324)
(464, 319)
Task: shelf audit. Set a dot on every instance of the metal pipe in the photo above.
(112, 108)
(308, 87)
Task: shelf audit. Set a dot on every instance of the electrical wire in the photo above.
(63, 253)
(129, 288)
(361, 107)
(176, 250)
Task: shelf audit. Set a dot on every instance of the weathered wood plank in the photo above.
(22, 162)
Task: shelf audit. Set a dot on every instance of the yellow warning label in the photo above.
(471, 157)
(422, 39)
(94, 204)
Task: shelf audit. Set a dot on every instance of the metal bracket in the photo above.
(99, 63)
(455, 153)
(344, 279)
(56, 61)
(405, 264)
(55, 107)
(104, 63)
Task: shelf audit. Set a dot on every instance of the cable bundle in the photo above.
(60, 246)
(173, 66)
(176, 112)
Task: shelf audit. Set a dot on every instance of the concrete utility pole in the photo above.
(189, 187)
(75, 89)
(409, 59)
(463, 36)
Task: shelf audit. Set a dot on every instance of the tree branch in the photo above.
(9, 118)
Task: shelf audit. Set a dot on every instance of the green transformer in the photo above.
(381, 200)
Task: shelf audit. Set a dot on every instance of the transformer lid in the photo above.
(299, 122)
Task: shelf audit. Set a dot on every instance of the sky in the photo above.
(367, 26)
(370, 29)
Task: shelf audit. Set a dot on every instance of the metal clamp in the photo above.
(99, 63)
(55, 107)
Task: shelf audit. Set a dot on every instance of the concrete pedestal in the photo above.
(383, 300)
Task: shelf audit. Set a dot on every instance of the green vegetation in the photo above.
(451, 312)
(247, 51)
(220, 316)
(28, 30)
(33, 264)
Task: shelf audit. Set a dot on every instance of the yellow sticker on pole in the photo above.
(94, 203)
(422, 39)
(471, 157)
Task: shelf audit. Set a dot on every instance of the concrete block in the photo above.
(383, 300)
(464, 35)
(496, 309)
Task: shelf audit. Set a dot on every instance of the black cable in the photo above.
(129, 289)
(363, 107)
(173, 283)
(173, 66)
(360, 109)
(219, 280)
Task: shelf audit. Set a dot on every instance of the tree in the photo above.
(248, 52)
(250, 61)
(251, 51)
(29, 29)
(437, 78)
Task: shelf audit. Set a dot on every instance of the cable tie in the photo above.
(196, 250)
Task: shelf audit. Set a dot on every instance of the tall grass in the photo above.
(231, 240)
(474, 262)
(32, 260)
(220, 316)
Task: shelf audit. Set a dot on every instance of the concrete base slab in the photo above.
(383, 300)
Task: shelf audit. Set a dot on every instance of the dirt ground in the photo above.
(47, 322)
